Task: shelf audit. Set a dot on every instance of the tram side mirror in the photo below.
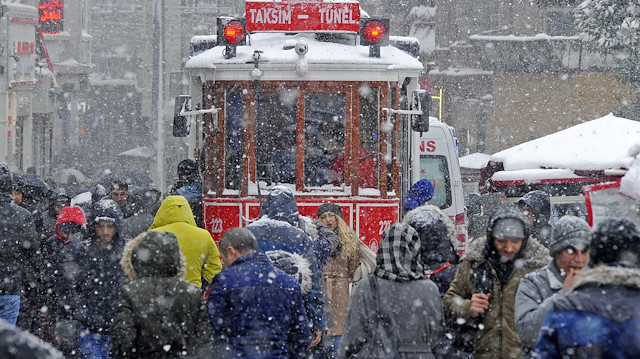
(181, 124)
(420, 101)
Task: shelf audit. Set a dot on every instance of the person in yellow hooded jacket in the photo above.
(197, 245)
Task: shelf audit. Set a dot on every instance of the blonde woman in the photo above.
(339, 273)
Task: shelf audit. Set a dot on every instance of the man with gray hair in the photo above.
(256, 310)
(569, 248)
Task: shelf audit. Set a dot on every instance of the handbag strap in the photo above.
(376, 294)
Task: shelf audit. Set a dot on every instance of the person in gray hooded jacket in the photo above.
(569, 248)
(406, 303)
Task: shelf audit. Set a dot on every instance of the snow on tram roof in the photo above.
(278, 48)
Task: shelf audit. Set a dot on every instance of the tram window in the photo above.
(369, 144)
(276, 137)
(235, 138)
(324, 133)
(436, 170)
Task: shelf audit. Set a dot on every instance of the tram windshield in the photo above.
(305, 132)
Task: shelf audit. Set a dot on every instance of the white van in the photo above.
(435, 157)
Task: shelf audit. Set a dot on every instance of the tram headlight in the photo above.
(232, 32)
(374, 32)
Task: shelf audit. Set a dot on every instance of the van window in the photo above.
(436, 169)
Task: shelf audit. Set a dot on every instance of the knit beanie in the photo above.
(330, 207)
(569, 231)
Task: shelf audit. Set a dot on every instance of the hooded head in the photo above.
(280, 205)
(616, 242)
(172, 210)
(398, 257)
(153, 254)
(6, 179)
(437, 234)
(188, 171)
(569, 232)
(420, 193)
(105, 210)
(67, 218)
(508, 221)
(539, 203)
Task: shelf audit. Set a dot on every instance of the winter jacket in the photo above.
(277, 230)
(51, 248)
(91, 273)
(540, 204)
(598, 318)
(337, 277)
(18, 246)
(193, 193)
(159, 315)
(409, 303)
(535, 295)
(257, 311)
(438, 244)
(326, 243)
(197, 245)
(18, 344)
(498, 338)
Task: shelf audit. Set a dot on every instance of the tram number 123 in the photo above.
(384, 225)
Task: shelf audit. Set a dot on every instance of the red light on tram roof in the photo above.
(374, 32)
(234, 32)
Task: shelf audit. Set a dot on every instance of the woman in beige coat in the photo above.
(338, 274)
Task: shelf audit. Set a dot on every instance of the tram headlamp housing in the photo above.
(374, 32)
(232, 32)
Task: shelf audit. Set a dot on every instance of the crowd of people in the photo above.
(122, 272)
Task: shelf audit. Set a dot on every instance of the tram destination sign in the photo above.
(303, 16)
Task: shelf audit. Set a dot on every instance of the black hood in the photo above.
(508, 210)
(280, 205)
(540, 204)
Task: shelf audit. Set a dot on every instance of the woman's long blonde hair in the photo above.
(347, 237)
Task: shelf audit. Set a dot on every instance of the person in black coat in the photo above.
(92, 276)
(537, 207)
(18, 344)
(18, 248)
(159, 315)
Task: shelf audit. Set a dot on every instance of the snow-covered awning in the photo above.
(599, 144)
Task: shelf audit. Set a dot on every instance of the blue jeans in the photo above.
(93, 345)
(9, 308)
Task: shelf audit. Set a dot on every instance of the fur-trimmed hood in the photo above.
(535, 255)
(294, 265)
(153, 254)
(425, 215)
(608, 275)
(607, 291)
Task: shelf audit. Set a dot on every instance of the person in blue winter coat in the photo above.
(255, 309)
(599, 318)
(419, 193)
(277, 230)
(90, 277)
